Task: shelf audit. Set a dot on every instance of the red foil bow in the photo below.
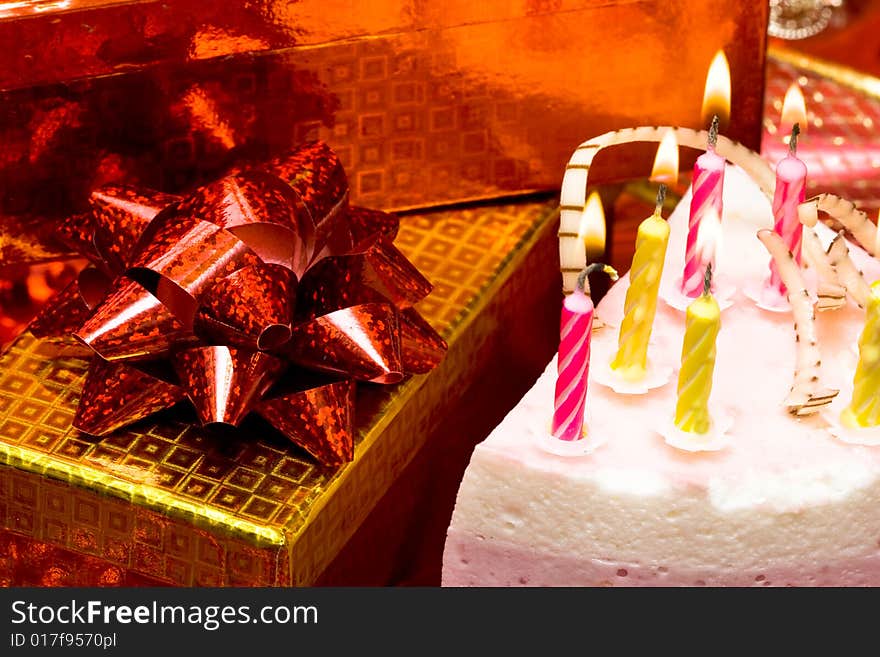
(261, 292)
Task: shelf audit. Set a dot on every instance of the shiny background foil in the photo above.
(425, 102)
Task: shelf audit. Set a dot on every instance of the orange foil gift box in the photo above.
(425, 103)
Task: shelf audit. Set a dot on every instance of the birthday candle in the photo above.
(791, 178)
(640, 306)
(864, 409)
(702, 323)
(573, 365)
(707, 193)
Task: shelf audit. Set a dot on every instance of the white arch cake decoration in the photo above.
(573, 196)
(807, 395)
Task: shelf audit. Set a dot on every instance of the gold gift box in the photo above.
(160, 502)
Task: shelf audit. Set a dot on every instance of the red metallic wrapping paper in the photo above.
(424, 105)
(202, 302)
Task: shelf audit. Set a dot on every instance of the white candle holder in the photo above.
(588, 444)
(657, 375)
(670, 291)
(867, 436)
(714, 440)
(767, 297)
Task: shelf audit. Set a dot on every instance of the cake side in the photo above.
(785, 503)
(524, 519)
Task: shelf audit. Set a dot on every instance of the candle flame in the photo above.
(794, 110)
(709, 236)
(666, 161)
(592, 228)
(716, 96)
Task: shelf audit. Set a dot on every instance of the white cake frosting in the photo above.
(784, 503)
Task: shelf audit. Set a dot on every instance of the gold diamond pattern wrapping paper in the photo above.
(161, 502)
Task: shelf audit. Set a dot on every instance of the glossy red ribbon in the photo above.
(235, 296)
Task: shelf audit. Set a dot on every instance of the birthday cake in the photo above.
(785, 495)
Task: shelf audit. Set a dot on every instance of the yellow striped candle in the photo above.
(702, 323)
(640, 306)
(864, 409)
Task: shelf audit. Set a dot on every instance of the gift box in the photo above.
(162, 502)
(426, 104)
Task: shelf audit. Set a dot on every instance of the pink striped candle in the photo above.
(708, 186)
(573, 366)
(791, 180)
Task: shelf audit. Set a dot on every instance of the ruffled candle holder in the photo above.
(657, 375)
(591, 441)
(714, 440)
(723, 289)
(866, 436)
(766, 297)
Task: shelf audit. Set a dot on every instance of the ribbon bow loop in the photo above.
(226, 296)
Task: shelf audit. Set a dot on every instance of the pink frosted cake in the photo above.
(785, 502)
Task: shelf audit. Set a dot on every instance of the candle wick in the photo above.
(707, 280)
(713, 133)
(792, 144)
(582, 286)
(661, 197)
